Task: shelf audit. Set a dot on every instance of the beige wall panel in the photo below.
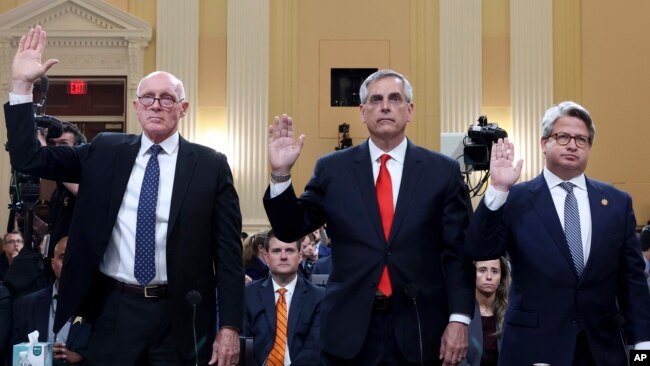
(346, 54)
(616, 76)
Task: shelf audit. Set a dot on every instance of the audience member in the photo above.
(283, 311)
(323, 266)
(254, 256)
(322, 243)
(396, 215)
(309, 254)
(156, 218)
(577, 269)
(12, 244)
(37, 310)
(492, 285)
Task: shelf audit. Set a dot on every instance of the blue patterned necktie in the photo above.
(572, 227)
(145, 233)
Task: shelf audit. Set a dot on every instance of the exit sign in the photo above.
(77, 87)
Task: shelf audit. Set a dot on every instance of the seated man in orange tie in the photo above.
(283, 310)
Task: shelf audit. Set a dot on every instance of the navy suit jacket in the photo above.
(425, 247)
(32, 312)
(548, 301)
(203, 233)
(323, 265)
(303, 329)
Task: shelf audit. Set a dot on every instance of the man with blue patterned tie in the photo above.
(157, 217)
(578, 295)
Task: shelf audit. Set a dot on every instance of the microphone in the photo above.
(412, 291)
(194, 298)
(45, 85)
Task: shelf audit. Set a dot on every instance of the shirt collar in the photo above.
(291, 286)
(398, 153)
(553, 180)
(169, 145)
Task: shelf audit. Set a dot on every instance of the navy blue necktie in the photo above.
(572, 227)
(145, 233)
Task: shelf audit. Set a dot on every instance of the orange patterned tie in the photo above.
(276, 357)
(384, 187)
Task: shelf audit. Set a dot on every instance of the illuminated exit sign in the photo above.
(77, 87)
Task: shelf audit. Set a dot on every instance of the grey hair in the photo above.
(570, 109)
(177, 84)
(363, 90)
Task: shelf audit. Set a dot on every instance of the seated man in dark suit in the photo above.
(296, 339)
(36, 312)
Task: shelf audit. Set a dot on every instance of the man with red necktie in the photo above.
(401, 290)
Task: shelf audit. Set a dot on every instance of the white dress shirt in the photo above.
(119, 258)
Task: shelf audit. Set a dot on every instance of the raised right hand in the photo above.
(283, 149)
(27, 66)
(504, 171)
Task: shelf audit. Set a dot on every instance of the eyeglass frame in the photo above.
(14, 241)
(571, 137)
(164, 97)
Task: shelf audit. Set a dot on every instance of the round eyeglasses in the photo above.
(164, 101)
(564, 139)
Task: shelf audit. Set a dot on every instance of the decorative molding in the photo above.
(460, 64)
(531, 73)
(89, 37)
(177, 52)
(248, 96)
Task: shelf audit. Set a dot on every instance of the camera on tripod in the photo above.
(476, 152)
(344, 137)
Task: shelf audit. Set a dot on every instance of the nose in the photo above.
(385, 105)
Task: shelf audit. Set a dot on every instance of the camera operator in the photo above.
(62, 202)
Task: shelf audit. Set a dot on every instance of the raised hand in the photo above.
(283, 149)
(504, 171)
(27, 66)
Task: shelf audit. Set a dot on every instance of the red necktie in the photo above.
(384, 187)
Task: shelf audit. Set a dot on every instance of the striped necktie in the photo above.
(572, 227)
(276, 357)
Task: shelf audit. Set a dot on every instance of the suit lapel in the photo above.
(185, 165)
(42, 313)
(408, 186)
(295, 308)
(598, 205)
(121, 175)
(542, 202)
(72, 334)
(267, 299)
(366, 183)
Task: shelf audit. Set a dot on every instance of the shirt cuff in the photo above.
(645, 346)
(494, 198)
(20, 99)
(276, 189)
(461, 318)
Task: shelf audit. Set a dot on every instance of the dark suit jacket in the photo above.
(303, 329)
(547, 299)
(323, 265)
(324, 251)
(5, 323)
(425, 247)
(32, 312)
(202, 236)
